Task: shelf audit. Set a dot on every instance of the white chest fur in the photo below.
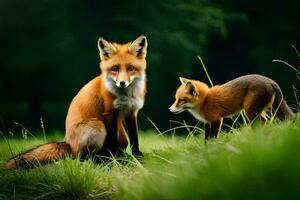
(195, 112)
(128, 104)
(127, 99)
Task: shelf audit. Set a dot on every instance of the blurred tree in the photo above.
(48, 49)
(35, 37)
(177, 31)
(259, 31)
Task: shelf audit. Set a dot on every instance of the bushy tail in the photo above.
(284, 112)
(39, 155)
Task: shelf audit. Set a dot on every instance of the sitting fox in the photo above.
(253, 93)
(96, 115)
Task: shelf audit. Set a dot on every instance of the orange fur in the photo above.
(252, 93)
(39, 155)
(97, 114)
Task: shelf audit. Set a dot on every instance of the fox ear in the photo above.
(183, 80)
(139, 47)
(106, 49)
(191, 89)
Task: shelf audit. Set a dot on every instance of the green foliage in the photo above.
(257, 163)
(251, 164)
(48, 49)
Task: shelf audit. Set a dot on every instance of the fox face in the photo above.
(123, 64)
(186, 97)
(122, 75)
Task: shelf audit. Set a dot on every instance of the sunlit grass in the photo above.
(247, 163)
(259, 163)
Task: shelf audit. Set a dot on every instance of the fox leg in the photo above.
(122, 137)
(215, 127)
(254, 110)
(256, 103)
(111, 141)
(207, 132)
(131, 125)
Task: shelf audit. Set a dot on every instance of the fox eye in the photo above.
(181, 100)
(115, 68)
(130, 68)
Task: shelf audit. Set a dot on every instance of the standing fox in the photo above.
(253, 93)
(96, 115)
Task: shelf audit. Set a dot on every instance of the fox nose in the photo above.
(122, 84)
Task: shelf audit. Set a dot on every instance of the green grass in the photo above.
(247, 163)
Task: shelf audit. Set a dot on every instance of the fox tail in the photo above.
(284, 112)
(39, 155)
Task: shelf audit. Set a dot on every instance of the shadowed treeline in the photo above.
(48, 49)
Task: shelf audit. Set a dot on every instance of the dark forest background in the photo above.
(48, 50)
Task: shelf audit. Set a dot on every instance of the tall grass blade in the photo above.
(205, 70)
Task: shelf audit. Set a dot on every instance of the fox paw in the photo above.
(138, 153)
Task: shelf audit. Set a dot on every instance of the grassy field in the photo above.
(246, 163)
